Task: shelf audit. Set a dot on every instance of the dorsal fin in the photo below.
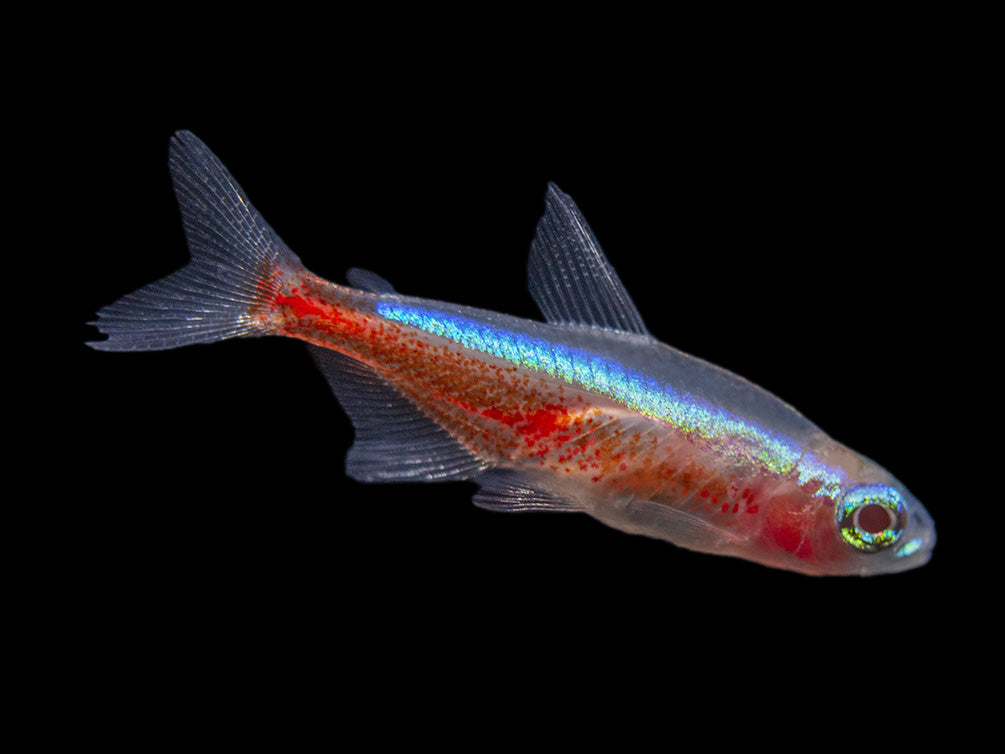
(368, 281)
(569, 276)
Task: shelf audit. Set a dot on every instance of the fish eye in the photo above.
(871, 517)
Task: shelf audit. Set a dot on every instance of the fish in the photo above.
(583, 411)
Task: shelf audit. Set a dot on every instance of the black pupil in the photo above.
(873, 519)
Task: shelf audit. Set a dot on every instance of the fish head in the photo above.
(882, 528)
(871, 523)
(854, 518)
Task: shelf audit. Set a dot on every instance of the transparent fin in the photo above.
(511, 492)
(569, 276)
(656, 519)
(368, 281)
(395, 442)
(233, 251)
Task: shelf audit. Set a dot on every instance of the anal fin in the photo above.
(395, 441)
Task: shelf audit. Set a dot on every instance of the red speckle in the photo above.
(500, 416)
(623, 467)
(533, 425)
(301, 307)
(544, 421)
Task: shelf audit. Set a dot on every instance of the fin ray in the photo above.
(395, 441)
(231, 246)
(368, 281)
(509, 491)
(569, 276)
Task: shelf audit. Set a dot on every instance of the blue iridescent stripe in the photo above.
(634, 390)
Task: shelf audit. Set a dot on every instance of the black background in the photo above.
(802, 226)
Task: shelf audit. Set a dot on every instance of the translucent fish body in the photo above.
(585, 411)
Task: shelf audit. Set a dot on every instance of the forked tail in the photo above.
(234, 258)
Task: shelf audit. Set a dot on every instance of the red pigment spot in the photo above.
(534, 425)
(299, 306)
(500, 416)
(544, 421)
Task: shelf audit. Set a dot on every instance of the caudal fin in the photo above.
(234, 256)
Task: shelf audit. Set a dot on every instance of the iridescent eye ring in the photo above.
(871, 517)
